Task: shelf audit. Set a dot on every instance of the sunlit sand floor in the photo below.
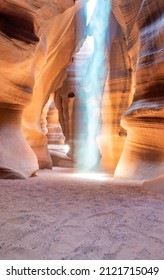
(60, 215)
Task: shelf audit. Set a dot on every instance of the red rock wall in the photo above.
(38, 39)
(143, 154)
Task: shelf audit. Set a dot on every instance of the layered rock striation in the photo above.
(59, 40)
(38, 39)
(143, 153)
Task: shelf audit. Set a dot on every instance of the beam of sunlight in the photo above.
(90, 9)
(91, 87)
(66, 148)
(95, 176)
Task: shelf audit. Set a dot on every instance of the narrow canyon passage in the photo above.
(65, 215)
(81, 87)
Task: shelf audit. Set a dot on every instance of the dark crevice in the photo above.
(18, 26)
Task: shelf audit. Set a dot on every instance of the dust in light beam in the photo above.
(92, 84)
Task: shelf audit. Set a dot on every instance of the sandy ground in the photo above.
(60, 216)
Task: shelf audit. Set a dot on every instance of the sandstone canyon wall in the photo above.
(142, 24)
(59, 40)
(38, 39)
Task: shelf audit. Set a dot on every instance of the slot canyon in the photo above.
(81, 129)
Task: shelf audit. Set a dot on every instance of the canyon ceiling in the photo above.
(109, 100)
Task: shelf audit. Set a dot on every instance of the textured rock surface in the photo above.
(116, 98)
(38, 39)
(54, 130)
(143, 154)
(59, 39)
(18, 43)
(136, 77)
(17, 160)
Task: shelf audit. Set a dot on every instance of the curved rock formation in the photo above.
(34, 36)
(143, 154)
(17, 160)
(58, 41)
(54, 133)
(18, 44)
(116, 98)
